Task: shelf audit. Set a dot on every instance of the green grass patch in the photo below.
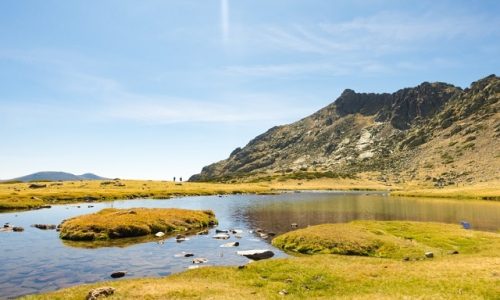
(112, 223)
(388, 239)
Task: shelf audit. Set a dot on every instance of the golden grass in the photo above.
(482, 190)
(113, 223)
(389, 239)
(20, 196)
(316, 277)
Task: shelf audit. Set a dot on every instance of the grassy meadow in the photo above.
(470, 274)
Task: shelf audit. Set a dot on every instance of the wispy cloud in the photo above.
(224, 7)
(97, 98)
(383, 43)
(382, 33)
(313, 68)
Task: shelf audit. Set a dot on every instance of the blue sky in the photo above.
(155, 89)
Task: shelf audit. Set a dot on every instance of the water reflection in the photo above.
(319, 208)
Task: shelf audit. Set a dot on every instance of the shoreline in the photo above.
(320, 275)
(19, 197)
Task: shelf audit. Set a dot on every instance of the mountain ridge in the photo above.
(429, 133)
(56, 176)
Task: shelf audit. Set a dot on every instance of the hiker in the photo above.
(180, 179)
(174, 178)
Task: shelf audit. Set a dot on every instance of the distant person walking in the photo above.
(174, 178)
(180, 179)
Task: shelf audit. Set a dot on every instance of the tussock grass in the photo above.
(114, 223)
(484, 191)
(316, 277)
(389, 239)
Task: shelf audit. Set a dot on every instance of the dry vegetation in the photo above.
(21, 196)
(114, 223)
(471, 274)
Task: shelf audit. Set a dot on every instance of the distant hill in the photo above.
(434, 133)
(57, 176)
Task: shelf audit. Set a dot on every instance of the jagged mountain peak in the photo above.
(386, 133)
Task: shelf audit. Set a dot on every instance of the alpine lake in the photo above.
(36, 260)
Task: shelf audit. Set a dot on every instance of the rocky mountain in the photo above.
(433, 132)
(57, 176)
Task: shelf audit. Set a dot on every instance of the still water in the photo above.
(35, 260)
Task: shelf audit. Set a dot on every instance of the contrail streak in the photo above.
(225, 19)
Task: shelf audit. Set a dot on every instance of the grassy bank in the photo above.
(114, 223)
(21, 196)
(482, 190)
(471, 274)
(389, 239)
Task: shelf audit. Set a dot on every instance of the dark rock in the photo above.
(221, 231)
(256, 254)
(45, 226)
(406, 258)
(102, 291)
(17, 229)
(429, 254)
(118, 274)
(453, 252)
(241, 267)
(188, 254)
(37, 186)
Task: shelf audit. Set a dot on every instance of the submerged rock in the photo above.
(45, 226)
(200, 260)
(118, 274)
(102, 291)
(256, 254)
(221, 236)
(233, 244)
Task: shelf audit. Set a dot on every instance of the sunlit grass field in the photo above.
(21, 196)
